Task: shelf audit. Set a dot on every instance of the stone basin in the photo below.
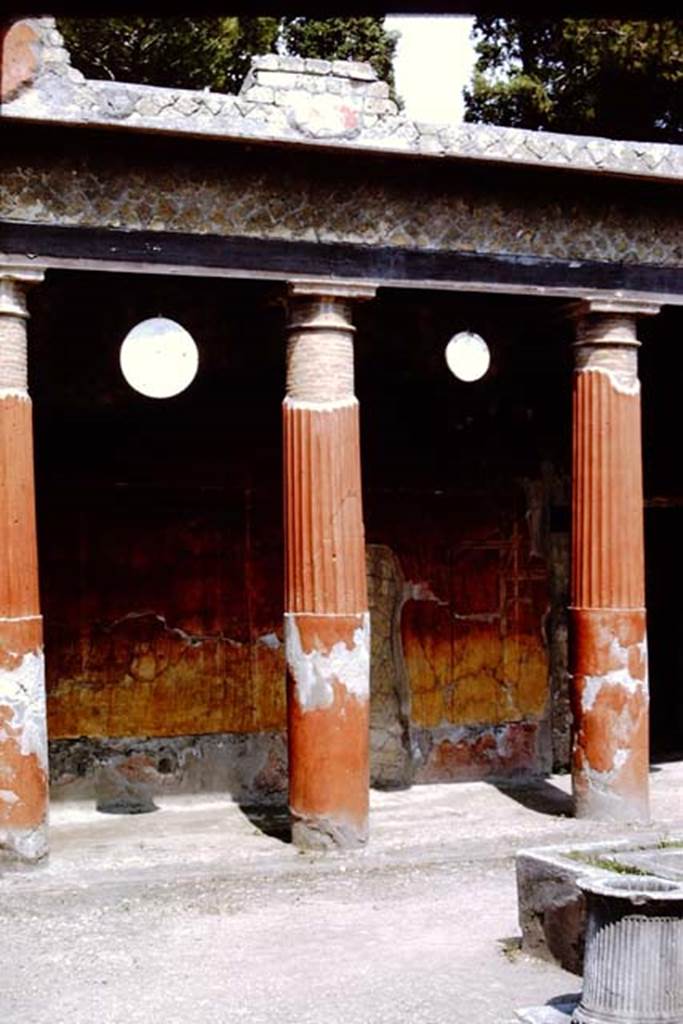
(551, 905)
(633, 969)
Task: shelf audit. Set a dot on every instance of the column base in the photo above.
(328, 711)
(23, 845)
(325, 834)
(605, 806)
(610, 757)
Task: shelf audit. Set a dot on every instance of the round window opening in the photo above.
(468, 356)
(159, 358)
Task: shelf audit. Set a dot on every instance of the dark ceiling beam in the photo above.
(214, 255)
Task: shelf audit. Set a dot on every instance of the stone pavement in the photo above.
(200, 912)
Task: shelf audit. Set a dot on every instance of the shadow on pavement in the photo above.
(540, 796)
(272, 821)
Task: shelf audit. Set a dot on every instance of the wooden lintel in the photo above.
(217, 256)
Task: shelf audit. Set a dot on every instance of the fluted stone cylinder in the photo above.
(633, 966)
(610, 753)
(327, 624)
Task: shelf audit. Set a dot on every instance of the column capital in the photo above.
(14, 282)
(327, 288)
(611, 307)
(609, 323)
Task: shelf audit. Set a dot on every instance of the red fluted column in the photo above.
(327, 625)
(23, 733)
(610, 756)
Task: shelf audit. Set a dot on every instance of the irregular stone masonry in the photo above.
(292, 100)
(269, 193)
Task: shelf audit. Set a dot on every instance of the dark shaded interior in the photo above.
(173, 508)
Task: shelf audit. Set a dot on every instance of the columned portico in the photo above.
(23, 738)
(609, 657)
(327, 624)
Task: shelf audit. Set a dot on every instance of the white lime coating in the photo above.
(622, 382)
(315, 672)
(14, 393)
(25, 844)
(300, 403)
(617, 359)
(621, 676)
(22, 689)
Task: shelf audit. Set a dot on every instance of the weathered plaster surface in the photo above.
(312, 102)
(316, 671)
(20, 393)
(22, 689)
(623, 382)
(143, 675)
(611, 711)
(453, 753)
(302, 403)
(629, 672)
(618, 364)
(23, 755)
(251, 767)
(473, 640)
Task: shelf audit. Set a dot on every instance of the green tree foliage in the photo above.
(187, 53)
(588, 76)
(214, 53)
(343, 39)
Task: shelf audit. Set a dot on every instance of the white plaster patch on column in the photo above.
(29, 844)
(616, 677)
(620, 758)
(14, 393)
(22, 689)
(7, 796)
(593, 686)
(315, 672)
(618, 362)
(601, 782)
(331, 406)
(619, 382)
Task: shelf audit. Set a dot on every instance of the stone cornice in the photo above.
(296, 102)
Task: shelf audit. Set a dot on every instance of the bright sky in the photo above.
(433, 63)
